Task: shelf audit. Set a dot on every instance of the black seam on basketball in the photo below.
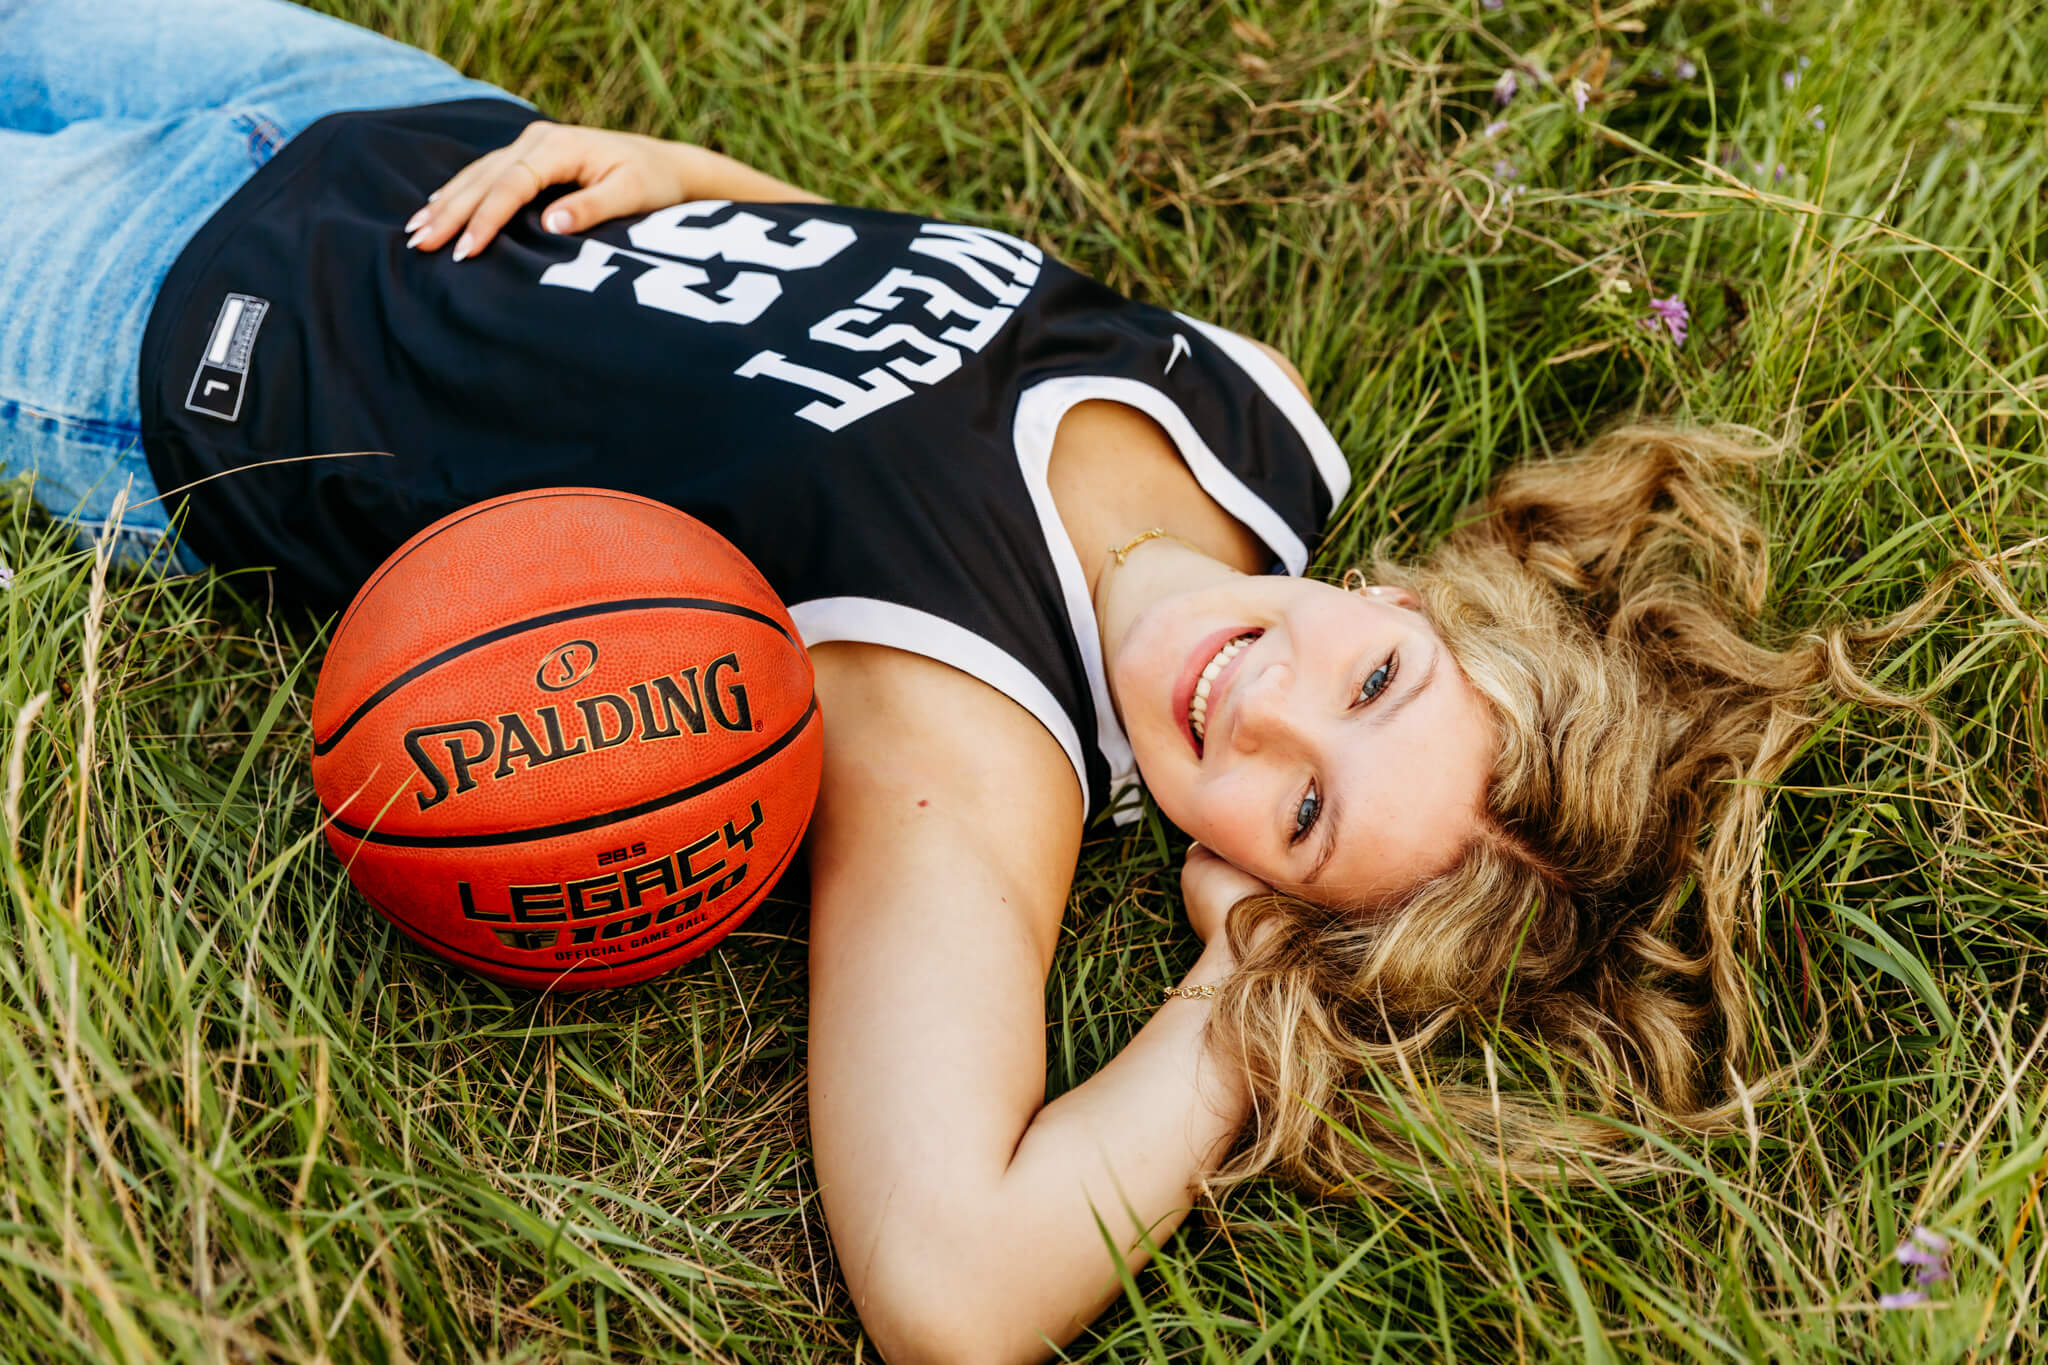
(760, 893)
(498, 838)
(553, 618)
(510, 500)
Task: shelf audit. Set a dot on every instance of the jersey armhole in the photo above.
(873, 621)
(1299, 412)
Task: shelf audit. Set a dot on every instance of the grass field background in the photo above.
(240, 1120)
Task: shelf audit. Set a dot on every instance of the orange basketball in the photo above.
(566, 738)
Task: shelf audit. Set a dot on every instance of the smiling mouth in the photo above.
(1198, 705)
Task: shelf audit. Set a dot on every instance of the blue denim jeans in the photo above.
(124, 124)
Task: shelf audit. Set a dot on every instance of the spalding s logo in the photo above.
(566, 665)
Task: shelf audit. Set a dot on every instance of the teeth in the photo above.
(1198, 708)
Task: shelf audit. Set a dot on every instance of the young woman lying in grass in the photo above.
(1029, 530)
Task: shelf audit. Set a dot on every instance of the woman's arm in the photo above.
(963, 1207)
(621, 174)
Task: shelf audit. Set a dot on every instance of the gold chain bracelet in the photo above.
(1122, 552)
(1190, 992)
(1135, 541)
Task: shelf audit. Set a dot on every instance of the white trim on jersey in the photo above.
(870, 620)
(1273, 380)
(1039, 411)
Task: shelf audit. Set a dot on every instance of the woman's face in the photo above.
(1321, 739)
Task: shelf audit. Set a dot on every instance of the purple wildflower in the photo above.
(6, 574)
(1922, 1247)
(1673, 315)
(1505, 88)
(1579, 93)
(1504, 170)
(1495, 128)
(1820, 125)
(1686, 70)
(1491, 4)
(1927, 1252)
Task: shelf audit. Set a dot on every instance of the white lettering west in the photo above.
(851, 401)
(970, 250)
(942, 301)
(833, 331)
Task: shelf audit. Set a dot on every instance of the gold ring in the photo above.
(538, 183)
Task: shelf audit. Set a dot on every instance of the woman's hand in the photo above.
(1209, 886)
(621, 174)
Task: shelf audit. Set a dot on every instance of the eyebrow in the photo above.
(1384, 714)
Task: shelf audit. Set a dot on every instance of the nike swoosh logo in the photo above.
(1180, 348)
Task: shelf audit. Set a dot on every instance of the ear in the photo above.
(1400, 597)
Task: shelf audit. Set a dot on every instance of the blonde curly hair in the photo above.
(1601, 605)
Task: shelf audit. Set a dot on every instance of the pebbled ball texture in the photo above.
(566, 738)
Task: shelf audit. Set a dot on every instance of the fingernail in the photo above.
(557, 220)
(413, 241)
(414, 223)
(462, 246)
(432, 197)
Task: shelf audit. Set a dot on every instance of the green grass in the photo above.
(239, 1120)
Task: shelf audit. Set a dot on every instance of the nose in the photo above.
(1265, 715)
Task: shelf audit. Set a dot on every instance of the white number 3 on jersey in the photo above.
(673, 286)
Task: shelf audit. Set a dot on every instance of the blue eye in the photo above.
(1379, 680)
(1306, 813)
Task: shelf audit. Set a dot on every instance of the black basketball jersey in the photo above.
(863, 402)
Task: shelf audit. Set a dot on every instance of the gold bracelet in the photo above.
(1135, 541)
(1122, 552)
(1190, 992)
